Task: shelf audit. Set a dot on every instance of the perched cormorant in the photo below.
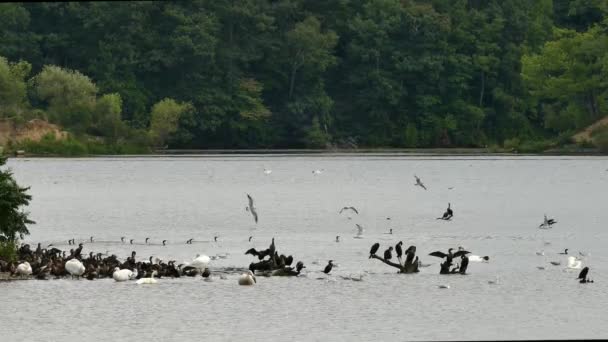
(337, 238)
(215, 238)
(131, 241)
(164, 242)
(387, 253)
(374, 249)
(448, 214)
(399, 250)
(251, 237)
(122, 239)
(565, 252)
(583, 276)
(91, 239)
(147, 240)
(328, 267)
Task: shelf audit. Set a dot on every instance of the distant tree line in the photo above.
(308, 73)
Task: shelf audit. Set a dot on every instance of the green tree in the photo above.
(69, 94)
(107, 118)
(13, 220)
(568, 78)
(13, 88)
(165, 118)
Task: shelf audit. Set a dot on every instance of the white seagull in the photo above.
(419, 183)
(251, 208)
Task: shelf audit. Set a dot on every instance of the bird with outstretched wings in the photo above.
(251, 208)
(349, 208)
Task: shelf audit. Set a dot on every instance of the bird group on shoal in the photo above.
(43, 264)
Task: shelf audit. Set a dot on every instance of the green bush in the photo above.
(8, 251)
(601, 141)
(511, 144)
(49, 145)
(535, 146)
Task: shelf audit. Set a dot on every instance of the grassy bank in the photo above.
(75, 146)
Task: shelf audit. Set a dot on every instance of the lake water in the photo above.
(498, 203)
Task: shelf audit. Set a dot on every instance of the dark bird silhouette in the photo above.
(374, 249)
(337, 238)
(251, 208)
(328, 267)
(464, 263)
(215, 238)
(399, 250)
(348, 208)
(448, 214)
(122, 239)
(164, 241)
(251, 237)
(272, 247)
(387, 253)
(565, 252)
(547, 223)
(147, 240)
(419, 183)
(583, 276)
(450, 255)
(131, 241)
(189, 242)
(91, 239)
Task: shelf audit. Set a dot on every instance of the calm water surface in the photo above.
(498, 203)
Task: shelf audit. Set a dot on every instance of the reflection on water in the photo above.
(498, 203)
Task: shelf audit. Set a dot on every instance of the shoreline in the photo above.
(438, 152)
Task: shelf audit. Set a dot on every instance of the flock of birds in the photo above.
(44, 262)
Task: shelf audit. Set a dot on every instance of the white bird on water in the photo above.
(574, 263)
(318, 172)
(24, 269)
(123, 275)
(74, 267)
(247, 278)
(150, 280)
(200, 262)
(267, 171)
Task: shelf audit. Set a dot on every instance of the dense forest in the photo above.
(308, 73)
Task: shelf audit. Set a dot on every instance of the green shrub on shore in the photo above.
(8, 251)
(72, 146)
(601, 141)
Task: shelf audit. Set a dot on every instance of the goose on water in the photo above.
(574, 263)
(247, 278)
(200, 262)
(74, 267)
(150, 280)
(123, 275)
(24, 268)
